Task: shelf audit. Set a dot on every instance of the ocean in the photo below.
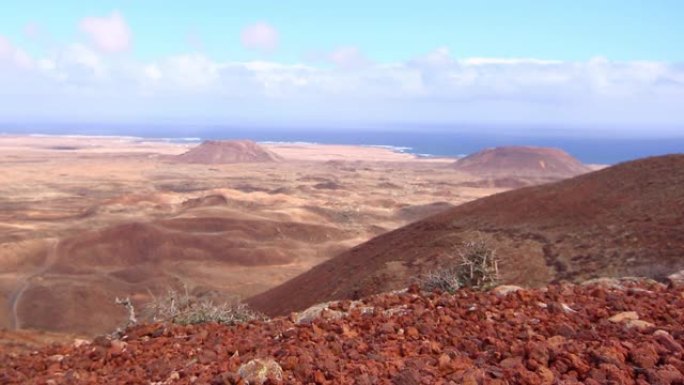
(419, 140)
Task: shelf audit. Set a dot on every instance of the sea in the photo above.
(424, 141)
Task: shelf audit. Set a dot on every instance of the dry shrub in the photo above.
(477, 268)
(445, 280)
(185, 309)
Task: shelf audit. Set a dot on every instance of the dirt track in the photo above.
(25, 283)
(558, 335)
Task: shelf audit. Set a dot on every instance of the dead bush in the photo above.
(445, 280)
(476, 267)
(185, 309)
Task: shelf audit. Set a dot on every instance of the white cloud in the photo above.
(81, 64)
(348, 57)
(260, 36)
(152, 72)
(109, 33)
(434, 87)
(510, 61)
(191, 71)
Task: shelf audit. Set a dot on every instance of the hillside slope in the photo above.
(623, 220)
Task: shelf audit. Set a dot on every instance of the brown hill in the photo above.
(74, 291)
(518, 160)
(623, 220)
(229, 151)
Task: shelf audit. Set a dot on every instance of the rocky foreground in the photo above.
(608, 332)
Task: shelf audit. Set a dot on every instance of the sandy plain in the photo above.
(86, 219)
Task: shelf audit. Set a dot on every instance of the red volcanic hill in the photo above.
(623, 220)
(228, 151)
(514, 160)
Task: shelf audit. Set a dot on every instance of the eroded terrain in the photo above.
(84, 220)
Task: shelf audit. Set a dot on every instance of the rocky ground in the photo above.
(605, 332)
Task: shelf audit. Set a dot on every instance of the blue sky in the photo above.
(387, 30)
(576, 62)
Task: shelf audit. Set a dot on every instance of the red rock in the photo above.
(511, 362)
(676, 363)
(387, 328)
(444, 363)
(207, 356)
(624, 317)
(665, 339)
(407, 377)
(504, 340)
(412, 332)
(608, 355)
(117, 348)
(472, 377)
(666, 375)
(644, 356)
(319, 378)
(546, 375)
(566, 330)
(537, 354)
(525, 376)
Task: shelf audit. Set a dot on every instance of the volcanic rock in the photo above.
(665, 339)
(624, 317)
(258, 371)
(438, 339)
(231, 151)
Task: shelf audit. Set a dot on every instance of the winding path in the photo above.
(15, 297)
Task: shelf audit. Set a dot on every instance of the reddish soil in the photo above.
(563, 334)
(522, 161)
(620, 221)
(233, 151)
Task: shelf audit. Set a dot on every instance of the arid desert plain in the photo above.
(84, 220)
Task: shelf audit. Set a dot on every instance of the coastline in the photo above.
(294, 150)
